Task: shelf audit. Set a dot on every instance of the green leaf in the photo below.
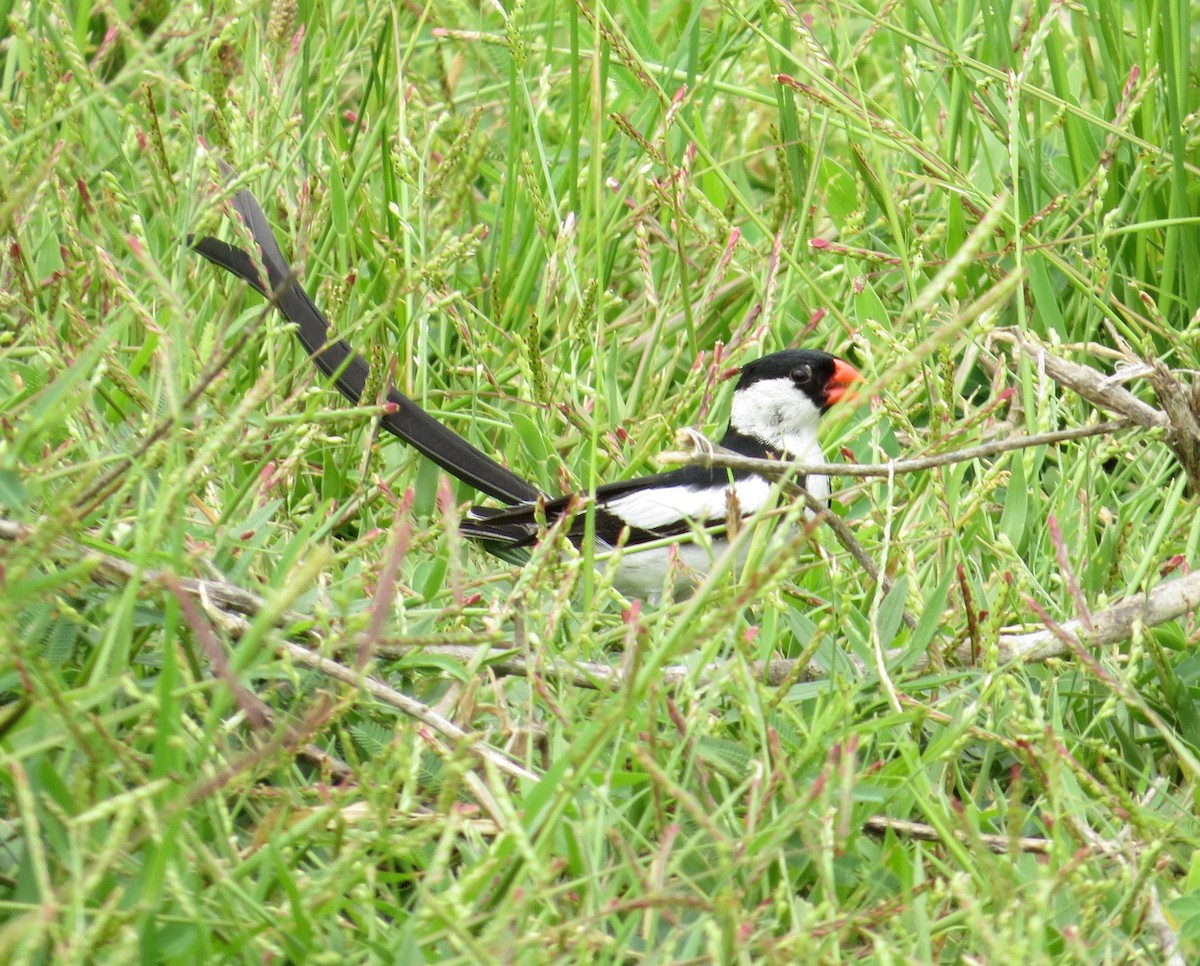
(12, 490)
(891, 612)
(1044, 298)
(729, 757)
(841, 194)
(60, 641)
(1016, 505)
(430, 575)
(930, 620)
(450, 666)
(339, 208)
(868, 307)
(533, 439)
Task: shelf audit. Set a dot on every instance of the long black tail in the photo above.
(349, 370)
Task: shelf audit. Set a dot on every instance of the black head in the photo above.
(823, 378)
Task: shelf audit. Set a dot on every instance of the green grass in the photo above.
(548, 220)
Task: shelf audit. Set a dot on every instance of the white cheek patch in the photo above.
(772, 410)
(653, 508)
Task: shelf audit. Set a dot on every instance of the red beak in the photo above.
(838, 387)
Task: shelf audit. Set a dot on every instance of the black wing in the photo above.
(518, 525)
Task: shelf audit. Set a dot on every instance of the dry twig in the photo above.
(1166, 602)
(239, 605)
(1180, 413)
(1000, 844)
(774, 469)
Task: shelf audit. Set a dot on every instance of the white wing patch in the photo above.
(652, 508)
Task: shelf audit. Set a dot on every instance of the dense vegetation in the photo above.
(262, 703)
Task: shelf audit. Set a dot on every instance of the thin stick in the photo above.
(1166, 602)
(238, 605)
(1000, 844)
(848, 541)
(775, 469)
(410, 706)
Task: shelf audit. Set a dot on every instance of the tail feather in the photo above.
(348, 369)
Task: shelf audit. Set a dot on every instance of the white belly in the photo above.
(642, 573)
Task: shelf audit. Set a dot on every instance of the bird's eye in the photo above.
(802, 375)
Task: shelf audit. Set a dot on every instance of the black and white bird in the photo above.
(777, 403)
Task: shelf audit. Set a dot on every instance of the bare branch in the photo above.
(586, 674)
(1181, 405)
(410, 706)
(1096, 387)
(845, 537)
(239, 605)
(1001, 844)
(1180, 413)
(1164, 603)
(706, 453)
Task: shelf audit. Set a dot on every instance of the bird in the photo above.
(777, 403)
